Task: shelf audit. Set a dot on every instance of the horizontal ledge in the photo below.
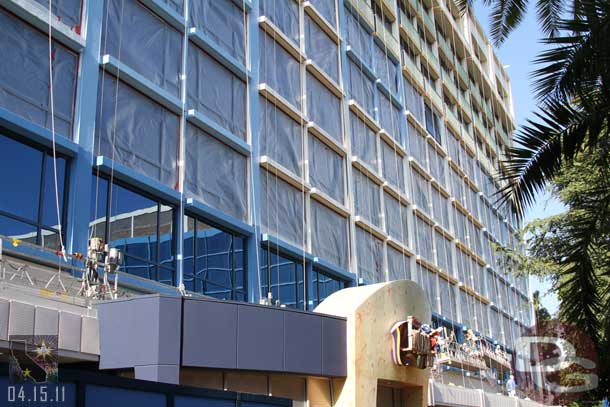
(364, 115)
(319, 74)
(367, 171)
(278, 36)
(368, 227)
(395, 144)
(168, 14)
(424, 216)
(322, 22)
(207, 44)
(362, 65)
(283, 173)
(332, 270)
(326, 138)
(139, 181)
(401, 247)
(285, 248)
(208, 125)
(278, 100)
(399, 195)
(332, 203)
(217, 217)
(139, 82)
(38, 16)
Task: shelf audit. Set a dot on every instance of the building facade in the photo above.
(266, 151)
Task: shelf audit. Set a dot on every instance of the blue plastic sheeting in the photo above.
(421, 196)
(326, 170)
(278, 69)
(423, 233)
(361, 88)
(141, 40)
(328, 10)
(414, 101)
(417, 145)
(280, 137)
(396, 219)
(440, 210)
(324, 108)
(437, 166)
(214, 91)
(284, 14)
(282, 210)
(393, 166)
(427, 280)
(386, 69)
(222, 21)
(136, 132)
(443, 251)
(215, 173)
(25, 91)
(448, 303)
(321, 49)
(370, 257)
(364, 141)
(66, 11)
(99, 396)
(399, 265)
(389, 117)
(358, 38)
(367, 198)
(176, 5)
(329, 239)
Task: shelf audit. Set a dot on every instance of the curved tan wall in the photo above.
(371, 311)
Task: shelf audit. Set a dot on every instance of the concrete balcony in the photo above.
(363, 8)
(408, 31)
(389, 8)
(411, 70)
(445, 48)
(435, 98)
(429, 25)
(452, 120)
(386, 37)
(432, 64)
(462, 74)
(476, 95)
(449, 88)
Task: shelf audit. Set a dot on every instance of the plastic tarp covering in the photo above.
(423, 232)
(417, 145)
(396, 219)
(66, 11)
(386, 69)
(393, 166)
(328, 10)
(282, 209)
(321, 49)
(144, 42)
(437, 165)
(326, 170)
(441, 251)
(176, 5)
(413, 101)
(389, 116)
(284, 14)
(324, 108)
(420, 192)
(329, 239)
(433, 123)
(279, 69)
(144, 134)
(455, 396)
(361, 88)
(370, 257)
(214, 91)
(399, 265)
(364, 142)
(223, 22)
(280, 137)
(215, 173)
(24, 76)
(447, 295)
(427, 280)
(358, 38)
(465, 299)
(367, 198)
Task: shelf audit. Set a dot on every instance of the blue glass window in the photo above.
(27, 209)
(214, 261)
(283, 278)
(142, 227)
(323, 286)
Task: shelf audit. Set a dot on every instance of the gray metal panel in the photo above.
(46, 321)
(69, 331)
(158, 373)
(21, 319)
(170, 311)
(334, 347)
(90, 336)
(4, 313)
(260, 338)
(303, 343)
(210, 334)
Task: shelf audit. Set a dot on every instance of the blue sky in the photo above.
(517, 55)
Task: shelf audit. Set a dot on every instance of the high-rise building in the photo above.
(262, 151)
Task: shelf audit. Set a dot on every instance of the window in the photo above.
(367, 198)
(361, 88)
(433, 124)
(396, 219)
(324, 108)
(329, 235)
(282, 210)
(386, 69)
(137, 132)
(389, 117)
(214, 261)
(223, 22)
(399, 265)
(423, 234)
(321, 49)
(440, 210)
(370, 257)
(283, 278)
(323, 286)
(140, 226)
(280, 137)
(144, 42)
(358, 38)
(284, 14)
(437, 165)
(278, 69)
(364, 141)
(443, 253)
(414, 101)
(214, 91)
(27, 208)
(421, 195)
(428, 279)
(24, 75)
(393, 166)
(417, 145)
(326, 169)
(215, 173)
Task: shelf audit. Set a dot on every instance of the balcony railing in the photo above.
(408, 27)
(445, 48)
(450, 87)
(386, 37)
(476, 95)
(432, 59)
(462, 74)
(429, 24)
(434, 97)
(452, 119)
(412, 70)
